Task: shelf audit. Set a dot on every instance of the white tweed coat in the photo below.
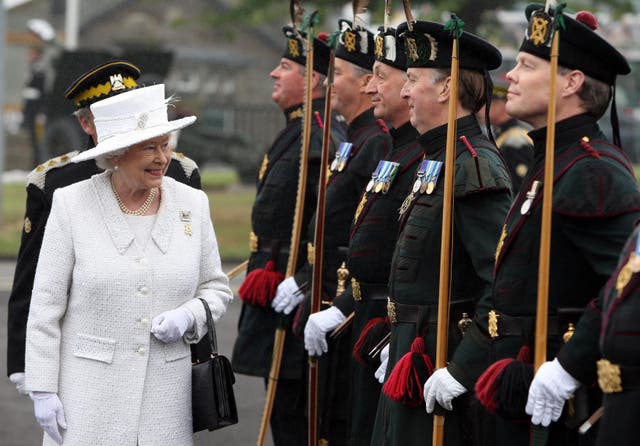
(95, 293)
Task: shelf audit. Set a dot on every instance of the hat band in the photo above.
(103, 90)
(109, 127)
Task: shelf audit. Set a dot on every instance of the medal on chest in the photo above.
(387, 171)
(431, 178)
(425, 183)
(420, 179)
(531, 195)
(428, 174)
(406, 204)
(374, 176)
(342, 157)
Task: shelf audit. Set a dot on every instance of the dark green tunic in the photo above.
(619, 341)
(42, 183)
(373, 236)
(371, 142)
(272, 220)
(481, 200)
(595, 202)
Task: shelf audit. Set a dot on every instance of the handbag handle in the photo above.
(213, 342)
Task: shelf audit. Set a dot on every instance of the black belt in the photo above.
(410, 313)
(501, 325)
(368, 291)
(273, 246)
(614, 378)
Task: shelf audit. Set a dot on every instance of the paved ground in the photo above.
(18, 426)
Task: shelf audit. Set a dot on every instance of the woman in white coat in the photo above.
(125, 257)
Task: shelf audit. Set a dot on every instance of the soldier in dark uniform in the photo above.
(98, 83)
(373, 235)
(595, 203)
(367, 141)
(271, 222)
(619, 367)
(611, 319)
(510, 135)
(481, 200)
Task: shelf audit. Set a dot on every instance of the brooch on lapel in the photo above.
(185, 216)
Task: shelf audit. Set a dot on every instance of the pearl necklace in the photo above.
(142, 209)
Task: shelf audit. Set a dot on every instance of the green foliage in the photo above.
(474, 12)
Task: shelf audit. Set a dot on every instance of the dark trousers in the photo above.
(334, 402)
(288, 421)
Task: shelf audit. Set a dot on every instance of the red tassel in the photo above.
(406, 381)
(487, 384)
(524, 354)
(503, 388)
(371, 335)
(259, 287)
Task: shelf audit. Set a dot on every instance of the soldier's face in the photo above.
(144, 164)
(427, 97)
(288, 83)
(348, 85)
(528, 95)
(384, 88)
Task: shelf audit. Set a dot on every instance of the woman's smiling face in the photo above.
(144, 164)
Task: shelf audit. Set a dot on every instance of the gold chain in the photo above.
(142, 209)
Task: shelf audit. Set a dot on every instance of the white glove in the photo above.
(318, 325)
(443, 388)
(384, 360)
(171, 325)
(18, 379)
(288, 296)
(49, 413)
(550, 388)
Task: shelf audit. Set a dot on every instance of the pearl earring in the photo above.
(115, 167)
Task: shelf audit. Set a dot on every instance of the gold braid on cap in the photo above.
(101, 90)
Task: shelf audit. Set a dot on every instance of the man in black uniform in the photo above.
(595, 203)
(367, 142)
(98, 83)
(619, 367)
(271, 222)
(373, 235)
(481, 200)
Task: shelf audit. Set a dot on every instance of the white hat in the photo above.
(130, 118)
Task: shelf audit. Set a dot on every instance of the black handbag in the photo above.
(212, 400)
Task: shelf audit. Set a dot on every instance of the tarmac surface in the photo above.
(19, 428)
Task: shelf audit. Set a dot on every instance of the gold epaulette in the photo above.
(188, 165)
(38, 175)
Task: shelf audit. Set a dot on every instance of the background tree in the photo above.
(475, 13)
